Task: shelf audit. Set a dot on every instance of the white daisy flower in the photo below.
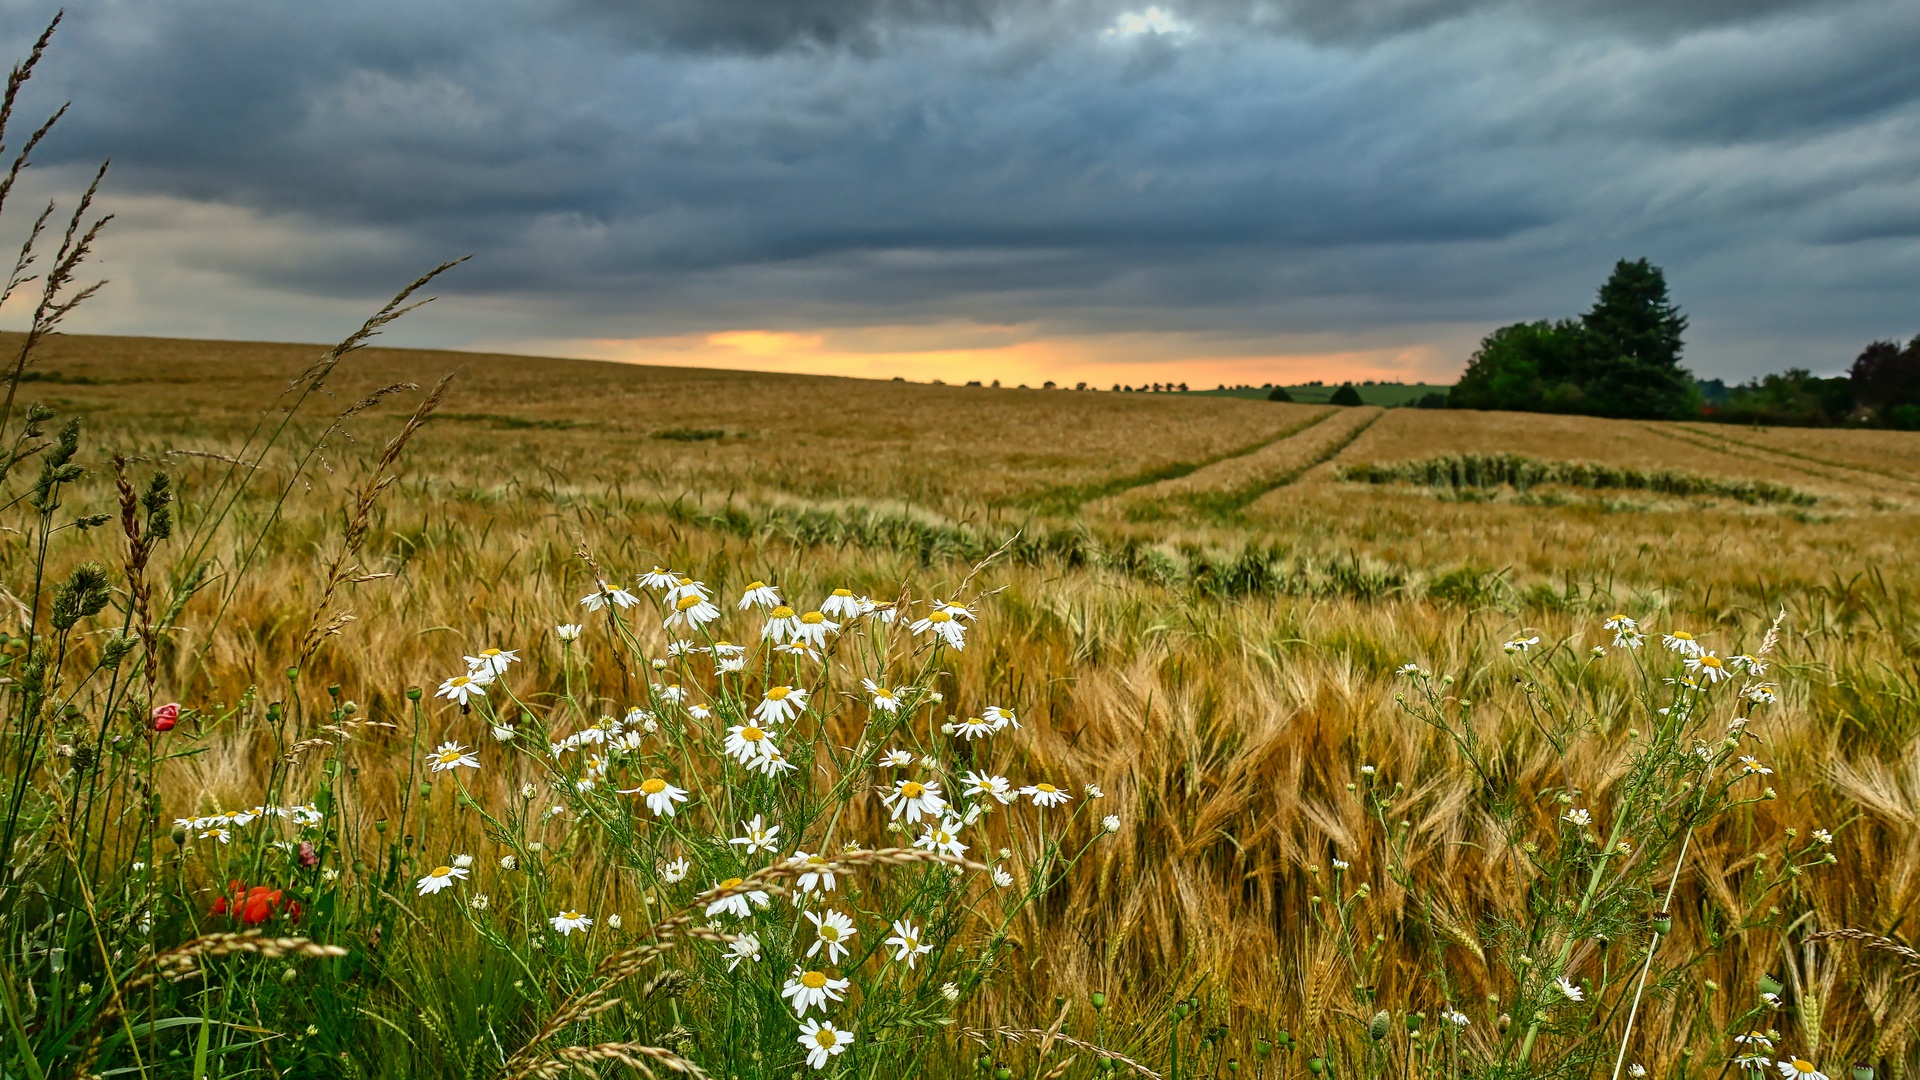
(884, 699)
(781, 625)
(747, 743)
(441, 878)
(812, 989)
(1456, 1018)
(746, 947)
(594, 601)
(1522, 644)
(479, 902)
(1681, 642)
(1001, 877)
(979, 783)
(1747, 664)
(759, 835)
(954, 610)
(684, 587)
(1759, 1039)
(692, 611)
(736, 904)
(1094, 792)
(912, 799)
(660, 795)
(906, 938)
(1623, 623)
(1707, 667)
(944, 837)
(659, 578)
(675, 871)
(568, 921)
(462, 861)
(972, 728)
(502, 733)
(1578, 818)
(1407, 669)
(627, 742)
(943, 626)
(492, 661)
(1636, 1070)
(823, 1042)
(797, 651)
(1752, 765)
(759, 594)
(452, 755)
(819, 873)
(509, 862)
(1046, 795)
(729, 657)
(567, 631)
(841, 605)
(1573, 993)
(781, 704)
(885, 612)
(1799, 1069)
(831, 929)
(671, 693)
(1822, 836)
(896, 759)
(1763, 693)
(814, 628)
(1111, 822)
(461, 687)
(950, 991)
(772, 764)
(1000, 717)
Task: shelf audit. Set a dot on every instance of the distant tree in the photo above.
(1279, 393)
(1620, 359)
(1526, 366)
(1433, 400)
(1886, 377)
(1079, 386)
(1632, 369)
(1346, 395)
(1183, 388)
(1794, 397)
(1048, 385)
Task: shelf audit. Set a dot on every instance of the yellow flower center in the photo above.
(779, 693)
(843, 592)
(461, 680)
(448, 757)
(489, 652)
(781, 612)
(829, 931)
(1803, 1066)
(1045, 789)
(685, 581)
(941, 838)
(1710, 661)
(912, 789)
(1616, 618)
(441, 872)
(826, 1036)
(816, 860)
(687, 601)
(813, 618)
(1682, 635)
(814, 979)
(939, 617)
(752, 585)
(654, 786)
(570, 916)
(730, 883)
(752, 734)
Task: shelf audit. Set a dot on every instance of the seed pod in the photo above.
(1382, 1023)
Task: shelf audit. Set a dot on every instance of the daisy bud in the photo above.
(613, 921)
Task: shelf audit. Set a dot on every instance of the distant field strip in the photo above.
(1729, 438)
(1069, 498)
(1522, 473)
(1707, 444)
(1229, 485)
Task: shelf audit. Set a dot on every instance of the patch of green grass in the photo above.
(1463, 473)
(681, 434)
(503, 420)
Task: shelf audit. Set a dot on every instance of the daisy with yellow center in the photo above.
(747, 743)
(782, 625)
(913, 800)
(660, 795)
(735, 903)
(452, 756)
(812, 989)
(781, 704)
(441, 878)
(759, 594)
(1046, 795)
(823, 1042)
(841, 605)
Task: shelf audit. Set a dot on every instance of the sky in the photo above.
(1200, 191)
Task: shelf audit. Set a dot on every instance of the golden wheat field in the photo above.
(1199, 609)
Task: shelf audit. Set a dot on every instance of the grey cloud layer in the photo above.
(1305, 167)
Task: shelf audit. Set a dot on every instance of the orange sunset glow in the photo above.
(1017, 355)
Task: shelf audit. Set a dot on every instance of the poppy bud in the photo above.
(165, 716)
(308, 857)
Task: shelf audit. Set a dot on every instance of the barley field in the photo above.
(1378, 751)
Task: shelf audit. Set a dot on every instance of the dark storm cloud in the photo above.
(652, 167)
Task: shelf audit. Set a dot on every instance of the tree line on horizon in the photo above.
(1621, 359)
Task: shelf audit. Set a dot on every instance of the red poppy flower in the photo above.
(255, 905)
(165, 716)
